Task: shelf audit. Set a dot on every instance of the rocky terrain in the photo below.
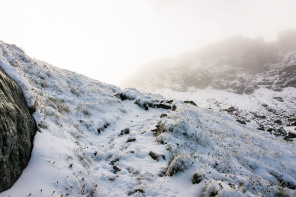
(96, 139)
(250, 70)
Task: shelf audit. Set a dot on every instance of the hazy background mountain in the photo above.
(237, 64)
(250, 79)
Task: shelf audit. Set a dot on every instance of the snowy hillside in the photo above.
(95, 139)
(252, 80)
(265, 109)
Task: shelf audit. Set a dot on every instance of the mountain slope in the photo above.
(255, 79)
(95, 139)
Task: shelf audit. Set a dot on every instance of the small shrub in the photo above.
(178, 164)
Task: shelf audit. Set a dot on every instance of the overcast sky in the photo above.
(108, 40)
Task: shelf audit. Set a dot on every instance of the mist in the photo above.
(110, 40)
(238, 64)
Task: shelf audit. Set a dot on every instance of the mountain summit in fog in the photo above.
(237, 64)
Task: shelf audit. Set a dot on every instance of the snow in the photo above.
(263, 102)
(79, 149)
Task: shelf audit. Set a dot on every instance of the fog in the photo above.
(110, 40)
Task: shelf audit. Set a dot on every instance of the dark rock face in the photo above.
(17, 130)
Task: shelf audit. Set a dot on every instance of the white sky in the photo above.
(108, 40)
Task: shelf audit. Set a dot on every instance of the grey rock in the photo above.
(196, 178)
(281, 131)
(125, 131)
(153, 155)
(190, 102)
(230, 109)
(164, 106)
(290, 136)
(17, 130)
(278, 121)
(241, 121)
(131, 139)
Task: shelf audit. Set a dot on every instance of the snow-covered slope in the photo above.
(253, 80)
(83, 147)
(265, 109)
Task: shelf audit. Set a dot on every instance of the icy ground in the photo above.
(83, 149)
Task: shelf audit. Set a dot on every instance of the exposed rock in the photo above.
(136, 191)
(167, 101)
(280, 99)
(241, 121)
(259, 116)
(124, 97)
(292, 119)
(261, 128)
(290, 136)
(99, 130)
(230, 109)
(153, 155)
(190, 102)
(281, 131)
(131, 139)
(278, 121)
(125, 131)
(17, 128)
(116, 169)
(144, 105)
(114, 161)
(174, 107)
(196, 179)
(164, 106)
(163, 115)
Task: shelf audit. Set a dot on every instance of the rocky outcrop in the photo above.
(17, 130)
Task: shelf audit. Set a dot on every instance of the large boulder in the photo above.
(17, 130)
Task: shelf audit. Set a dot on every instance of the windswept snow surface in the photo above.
(80, 150)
